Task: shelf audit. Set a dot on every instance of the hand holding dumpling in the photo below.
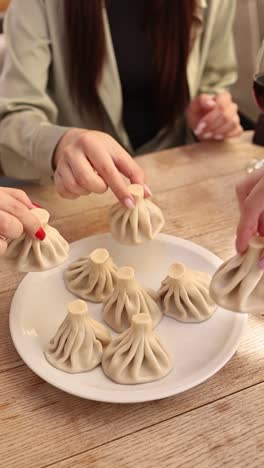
(250, 195)
(140, 223)
(16, 217)
(26, 254)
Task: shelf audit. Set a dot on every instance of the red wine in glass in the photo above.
(258, 88)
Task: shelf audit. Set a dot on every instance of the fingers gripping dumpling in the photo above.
(238, 284)
(27, 254)
(92, 278)
(184, 295)
(138, 225)
(78, 344)
(137, 355)
(129, 298)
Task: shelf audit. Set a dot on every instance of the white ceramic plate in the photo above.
(40, 305)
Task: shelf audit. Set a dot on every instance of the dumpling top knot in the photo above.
(136, 190)
(137, 225)
(77, 307)
(177, 271)
(42, 215)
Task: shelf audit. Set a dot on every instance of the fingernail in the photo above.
(261, 264)
(200, 127)
(208, 135)
(36, 205)
(128, 202)
(147, 190)
(210, 103)
(40, 234)
(218, 137)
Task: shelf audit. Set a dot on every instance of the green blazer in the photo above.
(36, 109)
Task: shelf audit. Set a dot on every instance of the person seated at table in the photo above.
(87, 84)
(250, 194)
(16, 218)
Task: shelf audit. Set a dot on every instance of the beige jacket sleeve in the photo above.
(28, 130)
(220, 68)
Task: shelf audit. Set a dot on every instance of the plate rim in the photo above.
(134, 397)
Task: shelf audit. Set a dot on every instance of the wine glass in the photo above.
(258, 92)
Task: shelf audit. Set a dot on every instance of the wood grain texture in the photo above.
(32, 403)
(226, 433)
(216, 424)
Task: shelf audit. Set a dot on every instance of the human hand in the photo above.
(250, 194)
(214, 118)
(15, 217)
(89, 161)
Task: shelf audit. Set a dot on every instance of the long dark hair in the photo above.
(168, 29)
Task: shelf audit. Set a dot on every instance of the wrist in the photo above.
(67, 138)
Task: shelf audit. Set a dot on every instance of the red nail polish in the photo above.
(36, 205)
(40, 234)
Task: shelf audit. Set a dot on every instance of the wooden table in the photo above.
(219, 423)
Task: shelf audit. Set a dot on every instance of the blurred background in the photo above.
(248, 31)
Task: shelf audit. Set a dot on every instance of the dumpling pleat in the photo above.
(156, 218)
(68, 345)
(145, 221)
(55, 340)
(24, 255)
(122, 225)
(181, 303)
(133, 226)
(151, 366)
(132, 307)
(129, 354)
(74, 354)
(137, 361)
(149, 306)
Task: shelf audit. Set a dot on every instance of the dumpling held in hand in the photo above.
(27, 254)
(137, 355)
(238, 284)
(184, 295)
(78, 344)
(137, 225)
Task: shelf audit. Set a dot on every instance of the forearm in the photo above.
(27, 144)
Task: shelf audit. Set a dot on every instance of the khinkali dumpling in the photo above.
(238, 284)
(128, 298)
(137, 355)
(92, 278)
(138, 225)
(78, 344)
(27, 254)
(184, 295)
